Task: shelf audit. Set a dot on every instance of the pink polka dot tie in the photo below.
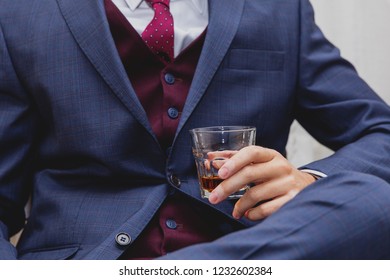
(158, 35)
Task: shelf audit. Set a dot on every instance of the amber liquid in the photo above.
(210, 183)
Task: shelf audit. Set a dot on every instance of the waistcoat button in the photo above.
(169, 78)
(173, 113)
(171, 224)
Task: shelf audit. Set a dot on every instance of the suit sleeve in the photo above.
(338, 108)
(17, 129)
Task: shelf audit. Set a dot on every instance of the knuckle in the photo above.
(265, 210)
(256, 151)
(251, 194)
(273, 153)
(247, 173)
(285, 167)
(291, 181)
(261, 211)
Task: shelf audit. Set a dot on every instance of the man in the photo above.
(94, 121)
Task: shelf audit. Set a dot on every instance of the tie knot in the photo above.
(164, 2)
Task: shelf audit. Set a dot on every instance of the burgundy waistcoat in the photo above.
(162, 89)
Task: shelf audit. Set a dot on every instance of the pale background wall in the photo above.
(361, 29)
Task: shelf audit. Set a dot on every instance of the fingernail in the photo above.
(223, 172)
(214, 196)
(236, 215)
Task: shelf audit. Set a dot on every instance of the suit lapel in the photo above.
(88, 23)
(224, 18)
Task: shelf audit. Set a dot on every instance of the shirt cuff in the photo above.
(315, 173)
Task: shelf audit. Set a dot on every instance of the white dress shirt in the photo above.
(190, 18)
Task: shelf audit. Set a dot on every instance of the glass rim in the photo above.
(221, 128)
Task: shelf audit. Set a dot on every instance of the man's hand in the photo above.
(273, 179)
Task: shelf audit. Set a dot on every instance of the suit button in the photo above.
(123, 239)
(173, 113)
(169, 78)
(175, 181)
(171, 224)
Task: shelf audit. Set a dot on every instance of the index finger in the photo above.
(244, 157)
(221, 154)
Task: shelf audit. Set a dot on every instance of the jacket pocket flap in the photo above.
(55, 253)
(257, 60)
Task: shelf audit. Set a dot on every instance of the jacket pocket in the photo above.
(53, 253)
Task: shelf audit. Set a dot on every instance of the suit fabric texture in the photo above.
(75, 137)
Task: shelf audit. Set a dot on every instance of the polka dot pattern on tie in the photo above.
(158, 35)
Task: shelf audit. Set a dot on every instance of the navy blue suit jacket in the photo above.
(74, 135)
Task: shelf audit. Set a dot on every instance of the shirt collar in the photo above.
(133, 4)
(199, 4)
